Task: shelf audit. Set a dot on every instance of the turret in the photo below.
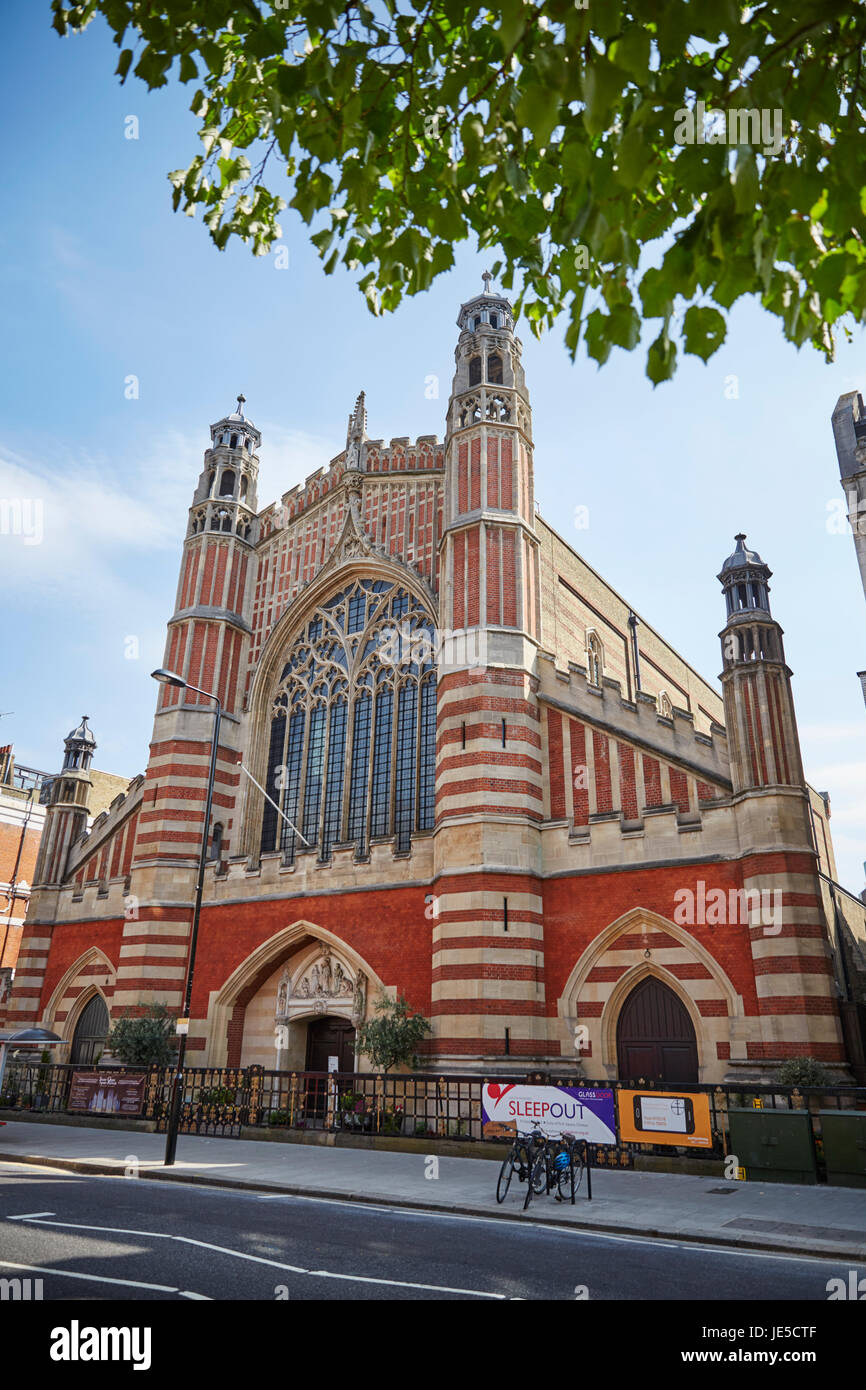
(759, 704)
(226, 497)
(488, 783)
(67, 812)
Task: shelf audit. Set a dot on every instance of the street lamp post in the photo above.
(171, 678)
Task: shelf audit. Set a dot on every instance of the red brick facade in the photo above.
(582, 821)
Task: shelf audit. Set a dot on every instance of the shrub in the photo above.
(391, 1040)
(219, 1095)
(145, 1039)
(802, 1071)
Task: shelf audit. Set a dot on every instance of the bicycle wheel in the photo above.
(503, 1182)
(536, 1179)
(579, 1166)
(565, 1184)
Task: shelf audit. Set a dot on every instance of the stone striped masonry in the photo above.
(477, 778)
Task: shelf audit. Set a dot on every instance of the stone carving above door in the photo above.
(327, 984)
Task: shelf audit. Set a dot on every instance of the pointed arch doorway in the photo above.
(655, 1037)
(91, 1031)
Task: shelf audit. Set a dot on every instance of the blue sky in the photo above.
(100, 281)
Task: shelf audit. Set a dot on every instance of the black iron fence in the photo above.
(222, 1101)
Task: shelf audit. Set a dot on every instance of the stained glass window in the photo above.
(360, 770)
(353, 737)
(427, 756)
(292, 780)
(404, 799)
(315, 759)
(334, 784)
(381, 783)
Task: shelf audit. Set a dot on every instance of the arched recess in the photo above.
(96, 973)
(335, 573)
(90, 1029)
(688, 1050)
(643, 921)
(252, 972)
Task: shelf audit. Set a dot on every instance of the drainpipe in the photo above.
(633, 622)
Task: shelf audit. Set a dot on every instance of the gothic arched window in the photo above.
(475, 371)
(594, 658)
(494, 369)
(227, 483)
(497, 408)
(216, 841)
(353, 725)
(470, 411)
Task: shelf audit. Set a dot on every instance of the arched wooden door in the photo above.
(91, 1030)
(655, 1038)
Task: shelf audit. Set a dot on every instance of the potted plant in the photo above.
(392, 1120)
(217, 1095)
(39, 1099)
(353, 1110)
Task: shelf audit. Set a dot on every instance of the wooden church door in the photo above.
(655, 1038)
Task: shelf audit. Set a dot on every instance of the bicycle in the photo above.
(519, 1159)
(557, 1167)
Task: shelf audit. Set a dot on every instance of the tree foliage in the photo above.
(144, 1039)
(551, 132)
(391, 1040)
(802, 1071)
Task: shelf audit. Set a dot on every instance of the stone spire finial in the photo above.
(486, 277)
(358, 421)
(242, 400)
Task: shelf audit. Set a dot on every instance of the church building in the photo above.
(453, 764)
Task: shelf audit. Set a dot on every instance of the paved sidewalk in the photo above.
(770, 1216)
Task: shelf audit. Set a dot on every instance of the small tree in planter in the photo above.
(391, 1041)
(145, 1039)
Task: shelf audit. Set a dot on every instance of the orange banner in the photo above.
(665, 1117)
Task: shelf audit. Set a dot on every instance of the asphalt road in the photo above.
(114, 1238)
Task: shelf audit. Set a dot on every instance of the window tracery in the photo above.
(470, 411)
(353, 725)
(594, 658)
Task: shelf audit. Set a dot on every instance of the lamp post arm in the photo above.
(279, 810)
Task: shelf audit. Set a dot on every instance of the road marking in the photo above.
(102, 1279)
(794, 1257)
(624, 1239)
(273, 1264)
(30, 1216)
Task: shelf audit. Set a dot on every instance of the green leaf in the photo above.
(703, 331)
(661, 359)
(745, 180)
(602, 83)
(632, 52)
